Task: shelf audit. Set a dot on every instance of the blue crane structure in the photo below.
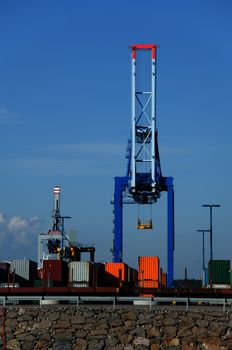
(143, 182)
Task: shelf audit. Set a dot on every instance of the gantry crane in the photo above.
(143, 182)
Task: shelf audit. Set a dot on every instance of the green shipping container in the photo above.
(219, 271)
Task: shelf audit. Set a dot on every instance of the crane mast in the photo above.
(143, 99)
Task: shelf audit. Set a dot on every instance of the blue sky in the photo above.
(65, 119)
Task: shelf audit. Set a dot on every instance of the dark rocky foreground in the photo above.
(91, 328)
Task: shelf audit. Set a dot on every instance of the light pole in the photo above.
(203, 247)
(211, 206)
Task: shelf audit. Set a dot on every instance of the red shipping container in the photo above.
(119, 270)
(148, 284)
(40, 273)
(149, 268)
(55, 270)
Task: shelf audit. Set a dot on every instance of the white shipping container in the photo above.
(80, 271)
(24, 268)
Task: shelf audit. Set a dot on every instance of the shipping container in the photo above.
(118, 270)
(42, 283)
(55, 270)
(133, 277)
(148, 284)
(4, 271)
(24, 271)
(81, 272)
(164, 280)
(99, 276)
(40, 273)
(219, 271)
(149, 268)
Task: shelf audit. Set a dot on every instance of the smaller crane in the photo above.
(56, 244)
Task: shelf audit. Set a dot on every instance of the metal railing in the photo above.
(151, 302)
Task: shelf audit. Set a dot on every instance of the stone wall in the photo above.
(96, 328)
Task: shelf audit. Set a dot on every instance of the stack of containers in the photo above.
(219, 273)
(56, 272)
(116, 274)
(80, 274)
(24, 272)
(4, 271)
(149, 271)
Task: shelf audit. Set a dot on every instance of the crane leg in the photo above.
(120, 184)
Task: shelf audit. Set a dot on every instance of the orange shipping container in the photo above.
(148, 284)
(119, 270)
(149, 268)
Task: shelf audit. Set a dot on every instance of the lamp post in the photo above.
(211, 206)
(203, 254)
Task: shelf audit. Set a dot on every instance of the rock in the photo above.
(117, 347)
(172, 342)
(27, 345)
(63, 324)
(143, 321)
(78, 319)
(11, 314)
(98, 331)
(169, 331)
(184, 331)
(11, 323)
(138, 332)
(202, 323)
(45, 324)
(154, 347)
(63, 334)
(13, 344)
(153, 332)
(61, 345)
(111, 341)
(129, 317)
(217, 329)
(209, 346)
(141, 341)
(170, 322)
(22, 311)
(41, 345)
(115, 323)
(80, 334)
(54, 316)
(125, 338)
(81, 344)
(96, 345)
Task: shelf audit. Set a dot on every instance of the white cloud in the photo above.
(2, 219)
(17, 223)
(19, 236)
